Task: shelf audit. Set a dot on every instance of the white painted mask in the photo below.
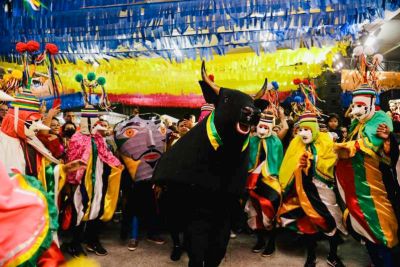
(34, 127)
(264, 129)
(305, 135)
(360, 111)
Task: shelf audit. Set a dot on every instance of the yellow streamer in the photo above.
(244, 71)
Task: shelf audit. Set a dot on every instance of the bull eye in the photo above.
(226, 99)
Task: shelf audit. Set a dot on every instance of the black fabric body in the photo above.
(193, 160)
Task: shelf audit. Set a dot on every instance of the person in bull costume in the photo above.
(210, 163)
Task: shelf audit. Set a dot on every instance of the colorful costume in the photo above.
(28, 222)
(365, 177)
(98, 184)
(22, 151)
(141, 143)
(309, 202)
(266, 154)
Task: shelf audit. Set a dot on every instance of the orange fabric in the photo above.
(52, 257)
(7, 125)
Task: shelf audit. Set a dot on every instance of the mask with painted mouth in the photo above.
(265, 125)
(360, 111)
(141, 141)
(363, 103)
(31, 128)
(305, 135)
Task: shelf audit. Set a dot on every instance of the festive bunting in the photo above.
(157, 82)
(181, 30)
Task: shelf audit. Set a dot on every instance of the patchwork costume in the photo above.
(366, 179)
(309, 202)
(266, 154)
(92, 191)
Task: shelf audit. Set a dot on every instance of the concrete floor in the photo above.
(289, 253)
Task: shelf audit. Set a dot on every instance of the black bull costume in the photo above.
(209, 165)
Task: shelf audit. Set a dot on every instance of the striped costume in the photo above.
(364, 176)
(97, 188)
(262, 183)
(309, 202)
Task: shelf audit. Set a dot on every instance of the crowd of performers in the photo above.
(304, 174)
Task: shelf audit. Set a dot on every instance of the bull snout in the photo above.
(250, 115)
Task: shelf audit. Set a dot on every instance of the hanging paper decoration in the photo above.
(157, 82)
(181, 30)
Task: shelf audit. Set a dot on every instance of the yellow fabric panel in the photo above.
(326, 156)
(88, 186)
(63, 178)
(383, 207)
(42, 173)
(131, 165)
(111, 197)
(301, 194)
(290, 161)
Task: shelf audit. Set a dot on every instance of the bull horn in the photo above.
(207, 80)
(261, 93)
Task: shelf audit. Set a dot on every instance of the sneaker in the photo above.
(75, 250)
(233, 235)
(269, 249)
(311, 261)
(258, 247)
(156, 239)
(334, 261)
(176, 253)
(96, 248)
(133, 244)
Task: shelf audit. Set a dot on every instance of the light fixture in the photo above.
(370, 41)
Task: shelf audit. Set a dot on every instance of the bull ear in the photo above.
(261, 93)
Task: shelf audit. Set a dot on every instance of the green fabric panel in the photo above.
(371, 126)
(275, 154)
(364, 197)
(254, 146)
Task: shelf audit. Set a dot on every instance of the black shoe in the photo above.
(75, 250)
(96, 248)
(258, 246)
(311, 261)
(269, 249)
(176, 253)
(334, 261)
